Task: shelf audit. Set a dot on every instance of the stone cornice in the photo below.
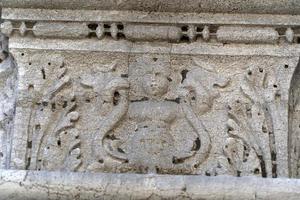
(155, 26)
(228, 6)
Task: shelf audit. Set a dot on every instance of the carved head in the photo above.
(153, 75)
(155, 81)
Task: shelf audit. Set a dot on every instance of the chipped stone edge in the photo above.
(19, 184)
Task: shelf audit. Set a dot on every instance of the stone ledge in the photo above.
(16, 185)
(228, 6)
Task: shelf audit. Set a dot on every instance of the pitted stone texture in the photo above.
(7, 101)
(152, 113)
(28, 185)
(229, 6)
(164, 93)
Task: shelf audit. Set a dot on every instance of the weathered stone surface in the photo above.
(139, 92)
(228, 6)
(23, 185)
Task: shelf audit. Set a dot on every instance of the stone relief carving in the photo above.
(7, 100)
(151, 113)
(130, 108)
(155, 115)
(150, 32)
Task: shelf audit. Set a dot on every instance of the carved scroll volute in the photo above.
(201, 87)
(113, 91)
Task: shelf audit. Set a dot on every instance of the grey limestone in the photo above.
(149, 99)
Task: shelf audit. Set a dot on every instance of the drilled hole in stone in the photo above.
(264, 129)
(250, 73)
(93, 26)
(22, 54)
(106, 26)
(58, 143)
(37, 127)
(184, 28)
(65, 104)
(43, 73)
(199, 29)
(275, 86)
(101, 161)
(120, 36)
(286, 66)
(29, 24)
(155, 59)
(29, 63)
(92, 35)
(261, 70)
(120, 26)
(49, 63)
(116, 98)
(28, 163)
(29, 144)
(53, 107)
(184, 38)
(197, 145)
(229, 160)
(256, 171)
(120, 150)
(30, 87)
(183, 74)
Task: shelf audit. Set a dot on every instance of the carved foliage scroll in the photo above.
(151, 113)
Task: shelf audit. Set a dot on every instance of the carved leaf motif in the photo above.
(250, 123)
(52, 122)
(7, 100)
(204, 82)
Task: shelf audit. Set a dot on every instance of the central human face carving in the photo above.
(155, 83)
